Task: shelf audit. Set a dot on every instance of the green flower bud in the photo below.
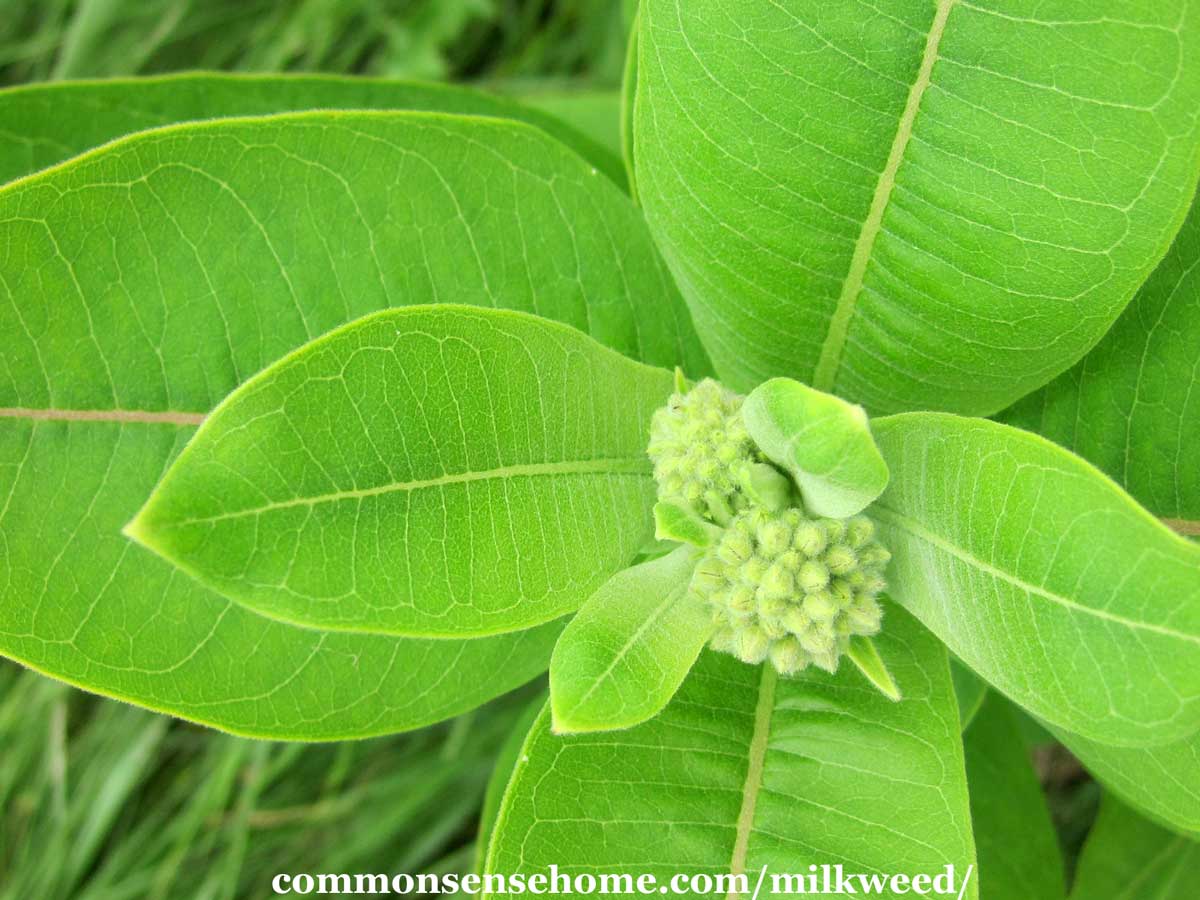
(699, 447)
(810, 538)
(840, 559)
(791, 589)
(814, 576)
(787, 656)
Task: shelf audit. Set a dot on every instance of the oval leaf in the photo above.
(1162, 781)
(1018, 850)
(884, 207)
(224, 245)
(1130, 407)
(1043, 576)
(1125, 852)
(623, 657)
(822, 441)
(744, 770)
(42, 124)
(430, 471)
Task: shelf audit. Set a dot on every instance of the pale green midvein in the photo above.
(835, 339)
(754, 772)
(633, 466)
(919, 531)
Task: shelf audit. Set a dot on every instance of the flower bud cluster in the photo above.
(792, 589)
(700, 448)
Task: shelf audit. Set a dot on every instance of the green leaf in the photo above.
(673, 522)
(596, 114)
(864, 654)
(744, 769)
(1043, 576)
(1018, 849)
(434, 471)
(1128, 857)
(822, 441)
(506, 762)
(623, 657)
(144, 281)
(42, 124)
(970, 690)
(628, 99)
(1129, 406)
(887, 208)
(1162, 781)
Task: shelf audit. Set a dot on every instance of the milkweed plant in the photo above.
(837, 440)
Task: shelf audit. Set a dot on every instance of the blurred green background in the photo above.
(578, 40)
(99, 800)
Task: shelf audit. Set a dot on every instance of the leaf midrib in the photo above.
(631, 466)
(919, 531)
(120, 416)
(752, 786)
(830, 359)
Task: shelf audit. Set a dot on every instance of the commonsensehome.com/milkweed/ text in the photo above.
(818, 880)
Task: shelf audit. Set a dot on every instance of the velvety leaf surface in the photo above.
(431, 471)
(144, 282)
(936, 205)
(1018, 850)
(1127, 857)
(1162, 781)
(822, 441)
(623, 656)
(744, 769)
(1131, 406)
(1043, 576)
(41, 124)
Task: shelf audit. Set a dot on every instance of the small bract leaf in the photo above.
(621, 659)
(675, 522)
(864, 654)
(822, 441)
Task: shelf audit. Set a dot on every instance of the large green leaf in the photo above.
(1127, 857)
(940, 206)
(744, 770)
(1043, 576)
(1130, 406)
(41, 124)
(433, 471)
(1018, 850)
(1162, 781)
(144, 281)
